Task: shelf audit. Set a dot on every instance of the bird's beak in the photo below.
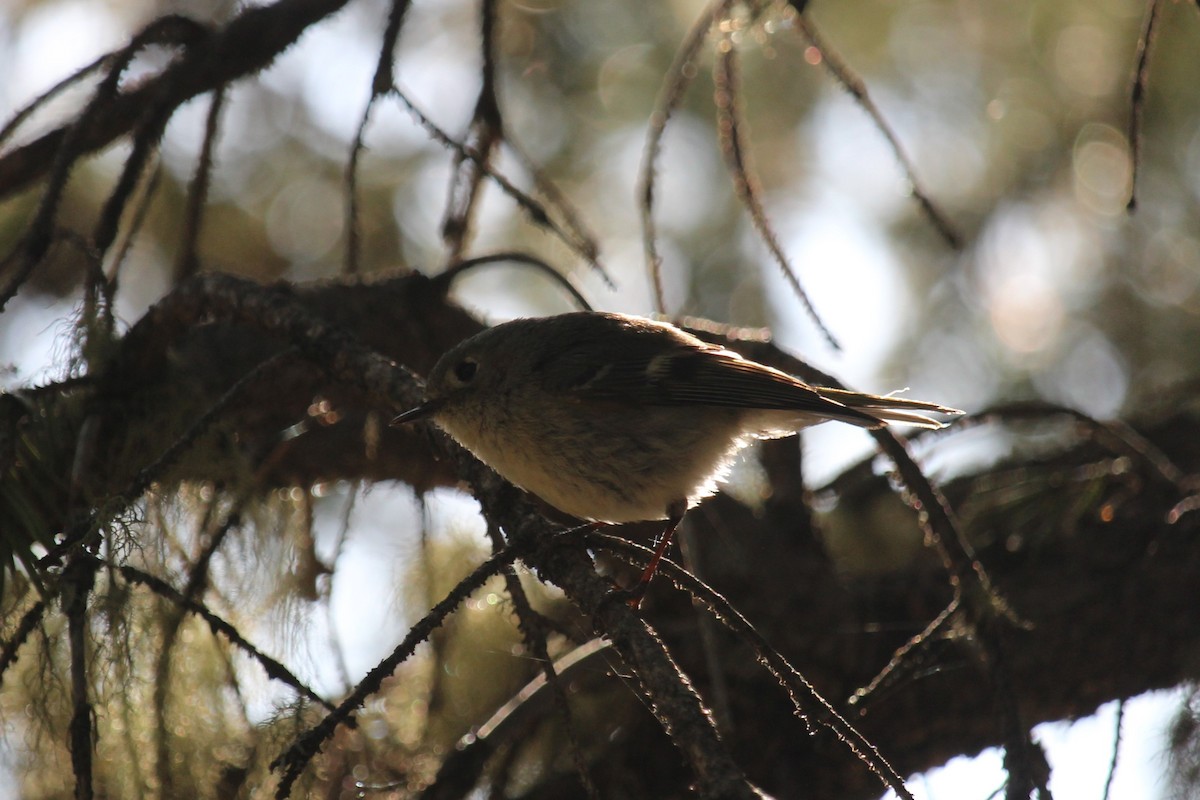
(423, 411)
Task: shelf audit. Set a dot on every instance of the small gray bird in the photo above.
(614, 418)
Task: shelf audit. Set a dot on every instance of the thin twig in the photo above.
(294, 760)
(485, 132)
(1118, 730)
(679, 76)
(78, 579)
(111, 278)
(460, 770)
(336, 647)
(1137, 97)
(73, 142)
(194, 587)
(452, 272)
(935, 516)
(152, 471)
(381, 84)
(350, 186)
(788, 677)
(146, 138)
(29, 621)
(219, 626)
(167, 459)
(731, 129)
(1117, 435)
(244, 46)
(584, 240)
(857, 88)
(188, 262)
(1022, 756)
(537, 214)
(942, 528)
(18, 119)
(533, 629)
(903, 655)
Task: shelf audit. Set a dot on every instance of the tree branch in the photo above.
(245, 46)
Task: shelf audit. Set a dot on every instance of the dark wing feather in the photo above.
(672, 371)
(718, 377)
(607, 357)
(642, 363)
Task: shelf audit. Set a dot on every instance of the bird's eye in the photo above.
(465, 370)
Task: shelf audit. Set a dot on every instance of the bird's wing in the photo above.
(685, 374)
(651, 364)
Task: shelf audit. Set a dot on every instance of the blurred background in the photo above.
(1015, 116)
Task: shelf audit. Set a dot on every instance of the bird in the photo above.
(615, 418)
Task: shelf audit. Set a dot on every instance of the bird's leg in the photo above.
(638, 590)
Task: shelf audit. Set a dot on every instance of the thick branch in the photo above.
(247, 45)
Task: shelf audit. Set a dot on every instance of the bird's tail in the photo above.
(889, 408)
